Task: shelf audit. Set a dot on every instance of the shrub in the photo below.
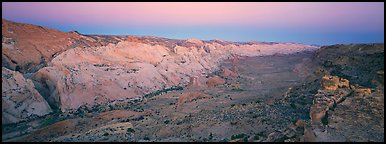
(130, 130)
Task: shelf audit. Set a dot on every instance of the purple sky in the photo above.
(311, 23)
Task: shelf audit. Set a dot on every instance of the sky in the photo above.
(309, 23)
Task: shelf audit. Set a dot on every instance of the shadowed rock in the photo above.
(20, 100)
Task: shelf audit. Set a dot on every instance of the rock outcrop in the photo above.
(334, 90)
(20, 99)
(334, 110)
(333, 82)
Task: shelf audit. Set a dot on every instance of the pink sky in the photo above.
(193, 14)
(345, 17)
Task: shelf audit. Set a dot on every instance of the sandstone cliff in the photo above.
(20, 99)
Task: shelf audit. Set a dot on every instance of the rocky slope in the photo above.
(27, 48)
(20, 99)
(359, 63)
(344, 96)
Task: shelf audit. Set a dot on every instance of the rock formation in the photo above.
(95, 69)
(20, 99)
(71, 70)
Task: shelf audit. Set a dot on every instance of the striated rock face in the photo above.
(20, 100)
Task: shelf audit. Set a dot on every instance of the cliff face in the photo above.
(20, 99)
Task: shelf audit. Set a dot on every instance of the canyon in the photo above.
(66, 86)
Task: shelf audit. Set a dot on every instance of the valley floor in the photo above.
(251, 106)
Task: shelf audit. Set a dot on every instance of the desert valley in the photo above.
(68, 86)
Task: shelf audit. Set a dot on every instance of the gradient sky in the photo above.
(310, 23)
